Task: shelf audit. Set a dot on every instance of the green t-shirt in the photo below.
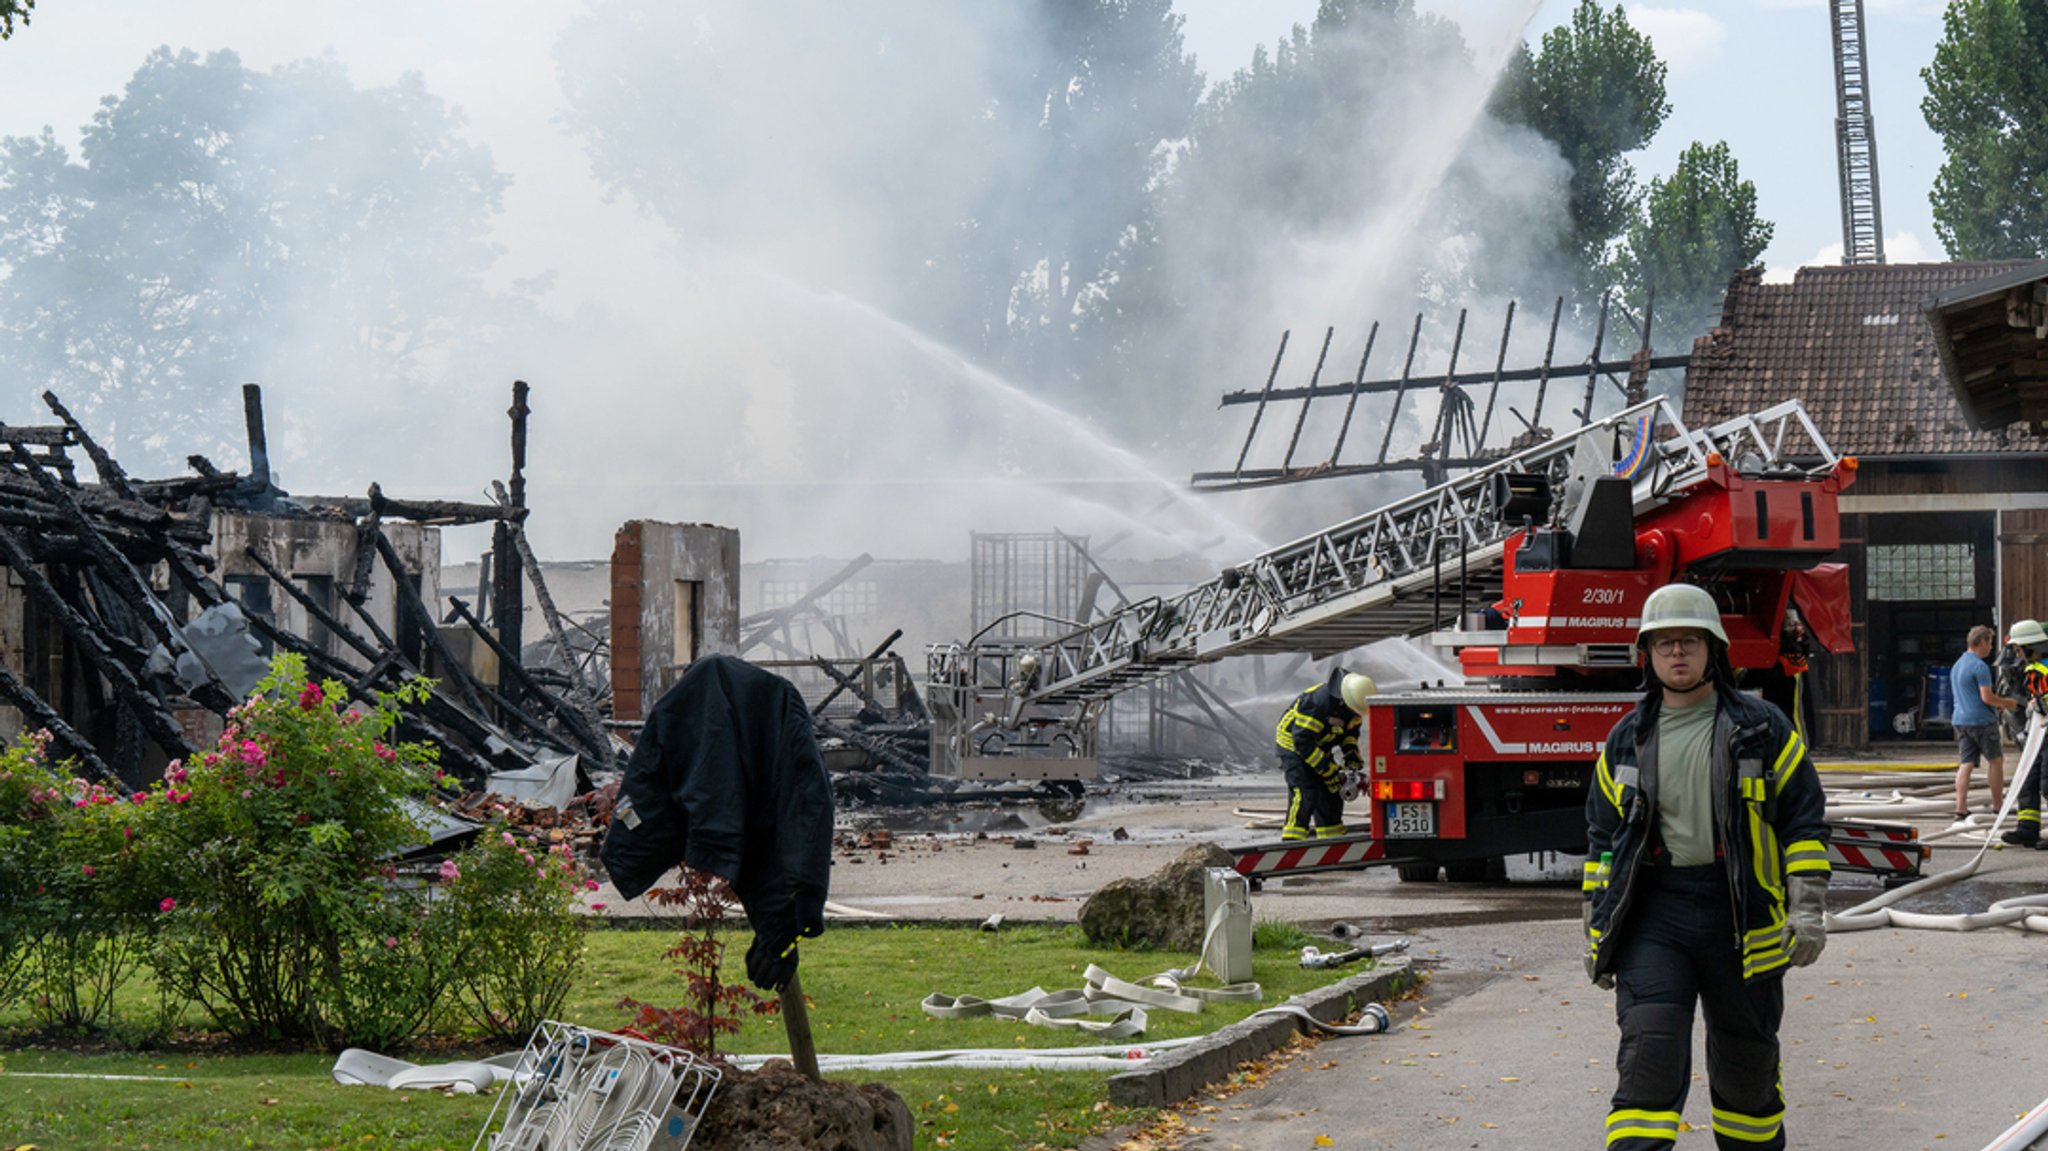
(1685, 781)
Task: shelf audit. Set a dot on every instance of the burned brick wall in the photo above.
(675, 597)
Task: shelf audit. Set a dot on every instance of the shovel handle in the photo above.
(796, 1021)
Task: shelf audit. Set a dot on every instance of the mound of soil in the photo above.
(775, 1108)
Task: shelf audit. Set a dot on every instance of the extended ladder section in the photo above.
(1398, 571)
(1855, 139)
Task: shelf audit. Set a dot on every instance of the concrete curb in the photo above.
(1174, 1075)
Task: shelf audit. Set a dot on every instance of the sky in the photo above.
(1756, 73)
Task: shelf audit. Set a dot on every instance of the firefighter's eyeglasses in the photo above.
(1677, 644)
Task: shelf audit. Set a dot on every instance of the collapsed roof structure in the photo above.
(136, 613)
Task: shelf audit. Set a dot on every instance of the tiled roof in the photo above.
(1852, 343)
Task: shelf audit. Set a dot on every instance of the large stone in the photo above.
(1162, 910)
(774, 1108)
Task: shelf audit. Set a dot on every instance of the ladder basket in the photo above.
(576, 1089)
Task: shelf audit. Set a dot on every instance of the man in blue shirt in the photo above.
(1976, 723)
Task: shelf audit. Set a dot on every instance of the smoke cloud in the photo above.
(868, 278)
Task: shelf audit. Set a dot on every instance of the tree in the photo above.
(1987, 97)
(1115, 85)
(1596, 90)
(1695, 230)
(1314, 190)
(982, 172)
(12, 11)
(222, 225)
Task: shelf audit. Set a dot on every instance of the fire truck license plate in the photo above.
(1410, 820)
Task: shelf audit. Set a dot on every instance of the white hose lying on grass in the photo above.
(1373, 1021)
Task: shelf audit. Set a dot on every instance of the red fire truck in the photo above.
(1533, 569)
(1460, 779)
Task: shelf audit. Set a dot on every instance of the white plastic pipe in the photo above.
(2023, 1134)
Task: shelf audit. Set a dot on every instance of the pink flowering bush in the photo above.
(74, 914)
(271, 890)
(518, 940)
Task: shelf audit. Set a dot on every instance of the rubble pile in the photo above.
(140, 641)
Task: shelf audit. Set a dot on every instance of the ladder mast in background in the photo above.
(1856, 138)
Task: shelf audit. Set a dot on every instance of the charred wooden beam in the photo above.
(130, 513)
(579, 695)
(172, 491)
(509, 665)
(1200, 693)
(508, 595)
(773, 621)
(37, 435)
(433, 511)
(325, 618)
(127, 583)
(259, 439)
(109, 469)
(366, 553)
(843, 686)
(409, 601)
(92, 643)
(388, 665)
(51, 534)
(845, 682)
(39, 712)
(874, 747)
(473, 769)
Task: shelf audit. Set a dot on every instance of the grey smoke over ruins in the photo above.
(849, 277)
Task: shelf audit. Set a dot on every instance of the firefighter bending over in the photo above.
(1706, 878)
(1323, 721)
(2030, 639)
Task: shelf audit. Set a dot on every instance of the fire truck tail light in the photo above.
(1403, 789)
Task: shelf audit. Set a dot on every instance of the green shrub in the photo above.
(78, 910)
(281, 918)
(517, 939)
(30, 793)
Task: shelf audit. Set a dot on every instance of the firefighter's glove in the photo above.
(1604, 982)
(1807, 900)
(1350, 784)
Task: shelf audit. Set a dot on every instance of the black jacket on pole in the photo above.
(726, 778)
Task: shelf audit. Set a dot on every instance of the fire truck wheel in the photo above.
(1416, 872)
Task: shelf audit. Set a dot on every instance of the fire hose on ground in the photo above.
(2019, 911)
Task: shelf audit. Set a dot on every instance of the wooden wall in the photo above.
(2023, 565)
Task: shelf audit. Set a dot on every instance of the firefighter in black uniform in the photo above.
(1324, 721)
(2030, 640)
(1705, 879)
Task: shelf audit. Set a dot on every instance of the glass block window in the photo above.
(1921, 572)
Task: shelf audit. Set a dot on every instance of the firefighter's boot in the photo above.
(2026, 831)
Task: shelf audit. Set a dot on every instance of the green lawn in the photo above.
(864, 983)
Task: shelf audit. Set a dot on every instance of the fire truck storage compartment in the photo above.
(1519, 807)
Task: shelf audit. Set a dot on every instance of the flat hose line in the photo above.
(2018, 911)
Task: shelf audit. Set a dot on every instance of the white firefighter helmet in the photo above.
(1681, 605)
(1357, 689)
(2027, 633)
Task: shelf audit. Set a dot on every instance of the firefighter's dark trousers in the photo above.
(2026, 804)
(1313, 810)
(1678, 947)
